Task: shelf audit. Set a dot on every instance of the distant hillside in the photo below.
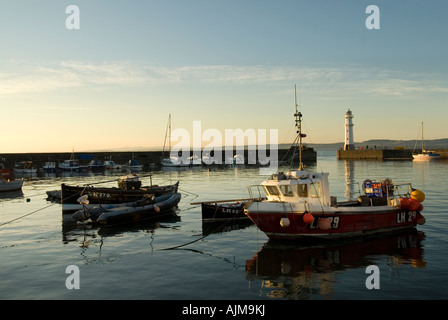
(384, 143)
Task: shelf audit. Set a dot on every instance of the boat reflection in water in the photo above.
(225, 226)
(93, 235)
(301, 271)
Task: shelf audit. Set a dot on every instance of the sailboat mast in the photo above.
(168, 130)
(422, 137)
(169, 138)
(298, 117)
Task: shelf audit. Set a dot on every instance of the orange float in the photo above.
(308, 218)
(324, 223)
(413, 204)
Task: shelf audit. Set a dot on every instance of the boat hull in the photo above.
(222, 212)
(70, 195)
(174, 164)
(426, 157)
(13, 185)
(139, 213)
(341, 224)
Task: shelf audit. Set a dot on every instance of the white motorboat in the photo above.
(112, 165)
(49, 166)
(24, 167)
(8, 182)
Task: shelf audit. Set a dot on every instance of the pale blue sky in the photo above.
(229, 64)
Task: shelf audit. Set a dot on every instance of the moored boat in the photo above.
(298, 205)
(129, 190)
(49, 166)
(8, 181)
(147, 208)
(133, 165)
(96, 165)
(172, 161)
(25, 167)
(425, 155)
(112, 165)
(223, 211)
(70, 165)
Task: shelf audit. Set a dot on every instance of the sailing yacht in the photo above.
(172, 161)
(426, 154)
(71, 164)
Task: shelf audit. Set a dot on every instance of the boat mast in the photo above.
(168, 130)
(422, 136)
(298, 117)
(169, 139)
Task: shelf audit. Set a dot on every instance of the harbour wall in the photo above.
(146, 158)
(383, 154)
(152, 158)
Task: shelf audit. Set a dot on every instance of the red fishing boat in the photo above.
(298, 204)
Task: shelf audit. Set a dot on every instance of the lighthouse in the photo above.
(349, 145)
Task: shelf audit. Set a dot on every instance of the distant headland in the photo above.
(383, 144)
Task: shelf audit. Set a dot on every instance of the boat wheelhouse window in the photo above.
(286, 190)
(302, 190)
(272, 190)
(315, 190)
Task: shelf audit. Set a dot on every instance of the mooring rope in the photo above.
(201, 238)
(28, 214)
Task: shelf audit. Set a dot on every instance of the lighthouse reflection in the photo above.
(349, 179)
(301, 271)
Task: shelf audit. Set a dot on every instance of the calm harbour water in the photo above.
(234, 262)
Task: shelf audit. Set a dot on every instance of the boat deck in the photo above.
(363, 201)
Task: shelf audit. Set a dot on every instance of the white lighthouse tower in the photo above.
(349, 144)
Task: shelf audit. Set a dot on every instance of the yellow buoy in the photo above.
(418, 195)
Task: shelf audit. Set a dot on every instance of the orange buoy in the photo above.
(308, 218)
(413, 204)
(404, 203)
(308, 269)
(420, 219)
(324, 223)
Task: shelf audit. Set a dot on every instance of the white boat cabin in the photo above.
(298, 187)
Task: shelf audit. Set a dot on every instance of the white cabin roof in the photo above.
(298, 186)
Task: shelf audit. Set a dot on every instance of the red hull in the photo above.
(342, 224)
